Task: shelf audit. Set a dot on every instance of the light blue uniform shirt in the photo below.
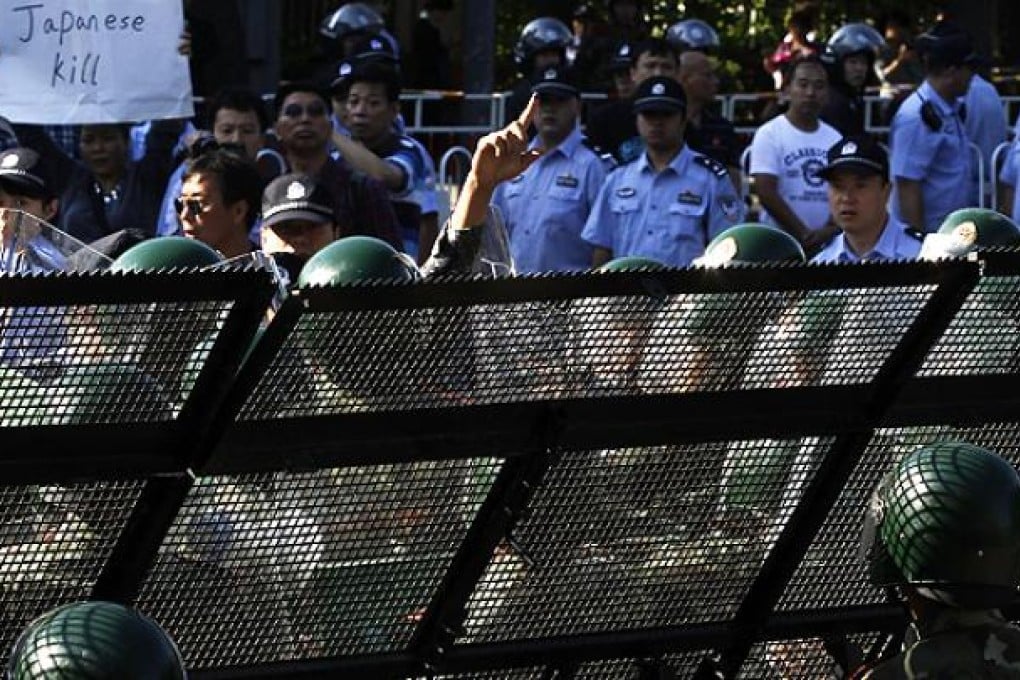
(546, 206)
(668, 216)
(939, 159)
(896, 242)
(985, 126)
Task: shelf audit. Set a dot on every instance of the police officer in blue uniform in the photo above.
(931, 157)
(858, 178)
(545, 207)
(669, 202)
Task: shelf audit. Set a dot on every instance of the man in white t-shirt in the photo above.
(786, 155)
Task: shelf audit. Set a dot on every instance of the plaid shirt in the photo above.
(363, 204)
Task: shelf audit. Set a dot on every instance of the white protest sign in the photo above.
(92, 61)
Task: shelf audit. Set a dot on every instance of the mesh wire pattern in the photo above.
(102, 364)
(288, 566)
(832, 573)
(802, 658)
(357, 361)
(984, 336)
(54, 541)
(638, 538)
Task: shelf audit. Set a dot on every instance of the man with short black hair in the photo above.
(858, 176)
(371, 94)
(787, 153)
(670, 202)
(304, 129)
(613, 128)
(546, 206)
(219, 201)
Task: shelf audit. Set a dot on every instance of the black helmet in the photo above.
(946, 521)
(692, 34)
(544, 33)
(351, 19)
(856, 39)
(95, 641)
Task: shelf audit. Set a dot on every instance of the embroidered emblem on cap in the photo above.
(849, 148)
(966, 233)
(550, 74)
(697, 33)
(10, 161)
(624, 50)
(296, 190)
(658, 88)
(345, 69)
(375, 44)
(725, 250)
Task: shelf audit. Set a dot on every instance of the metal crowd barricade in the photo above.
(607, 474)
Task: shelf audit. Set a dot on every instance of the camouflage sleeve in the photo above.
(454, 251)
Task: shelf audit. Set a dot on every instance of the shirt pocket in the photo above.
(567, 194)
(624, 206)
(685, 222)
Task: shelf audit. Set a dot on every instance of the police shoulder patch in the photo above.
(713, 166)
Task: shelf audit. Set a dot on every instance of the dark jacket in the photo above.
(83, 212)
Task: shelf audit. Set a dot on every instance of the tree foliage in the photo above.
(748, 29)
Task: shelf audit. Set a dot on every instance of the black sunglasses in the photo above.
(314, 110)
(193, 205)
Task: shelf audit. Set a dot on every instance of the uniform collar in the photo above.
(884, 248)
(928, 93)
(567, 147)
(677, 165)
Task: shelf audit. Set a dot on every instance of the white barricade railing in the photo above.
(446, 189)
(1000, 151)
(745, 175)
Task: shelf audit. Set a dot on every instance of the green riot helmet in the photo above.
(750, 243)
(978, 228)
(946, 521)
(354, 259)
(166, 252)
(95, 641)
(630, 264)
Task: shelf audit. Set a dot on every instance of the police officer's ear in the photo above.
(50, 208)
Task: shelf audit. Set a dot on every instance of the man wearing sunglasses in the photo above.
(303, 127)
(220, 200)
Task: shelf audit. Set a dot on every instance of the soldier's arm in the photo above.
(911, 202)
(767, 187)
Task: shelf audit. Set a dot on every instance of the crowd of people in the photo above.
(641, 175)
(654, 177)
